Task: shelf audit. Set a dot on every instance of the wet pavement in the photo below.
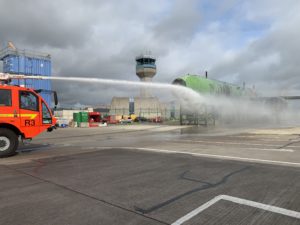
(153, 175)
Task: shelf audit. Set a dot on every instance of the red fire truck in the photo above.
(23, 114)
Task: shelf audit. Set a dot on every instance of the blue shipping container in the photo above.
(20, 64)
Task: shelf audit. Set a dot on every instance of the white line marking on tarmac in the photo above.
(270, 149)
(209, 155)
(256, 149)
(233, 143)
(241, 201)
(196, 211)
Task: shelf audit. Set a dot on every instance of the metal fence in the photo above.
(148, 113)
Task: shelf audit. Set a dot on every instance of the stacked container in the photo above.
(17, 61)
(81, 118)
(76, 119)
(84, 116)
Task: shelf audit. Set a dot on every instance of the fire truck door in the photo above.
(29, 113)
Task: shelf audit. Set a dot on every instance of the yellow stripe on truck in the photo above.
(6, 115)
(31, 116)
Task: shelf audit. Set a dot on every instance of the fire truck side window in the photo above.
(5, 97)
(46, 114)
(28, 101)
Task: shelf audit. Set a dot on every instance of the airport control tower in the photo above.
(145, 70)
(145, 105)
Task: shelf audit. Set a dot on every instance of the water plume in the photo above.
(242, 110)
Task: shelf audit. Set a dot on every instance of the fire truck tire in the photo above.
(8, 142)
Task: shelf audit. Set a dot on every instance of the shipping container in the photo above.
(77, 119)
(28, 63)
(19, 64)
(84, 116)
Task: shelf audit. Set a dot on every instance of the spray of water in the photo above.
(180, 90)
(241, 110)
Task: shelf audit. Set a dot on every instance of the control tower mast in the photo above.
(145, 70)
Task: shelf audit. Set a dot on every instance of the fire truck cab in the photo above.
(23, 114)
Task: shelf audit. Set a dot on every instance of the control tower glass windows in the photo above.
(145, 61)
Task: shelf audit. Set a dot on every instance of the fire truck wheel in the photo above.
(8, 142)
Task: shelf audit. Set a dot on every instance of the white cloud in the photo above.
(253, 41)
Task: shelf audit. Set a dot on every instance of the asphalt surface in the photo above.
(153, 175)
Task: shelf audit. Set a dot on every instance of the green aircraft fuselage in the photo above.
(204, 85)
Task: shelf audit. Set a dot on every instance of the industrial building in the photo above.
(17, 61)
(145, 105)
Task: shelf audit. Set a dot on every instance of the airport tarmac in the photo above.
(147, 174)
